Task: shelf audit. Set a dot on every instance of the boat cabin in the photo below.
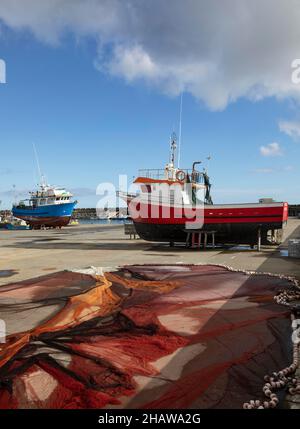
(150, 180)
(46, 195)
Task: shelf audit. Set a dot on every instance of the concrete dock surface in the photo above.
(33, 253)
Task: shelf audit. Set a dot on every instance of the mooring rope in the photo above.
(285, 378)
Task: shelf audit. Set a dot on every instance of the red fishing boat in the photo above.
(172, 201)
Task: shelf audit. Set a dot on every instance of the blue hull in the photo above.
(48, 215)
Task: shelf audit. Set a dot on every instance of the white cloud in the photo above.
(277, 170)
(83, 192)
(272, 149)
(132, 64)
(216, 51)
(291, 128)
(264, 170)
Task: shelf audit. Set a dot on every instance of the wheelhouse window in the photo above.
(146, 188)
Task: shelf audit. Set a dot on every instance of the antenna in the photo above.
(173, 147)
(208, 159)
(179, 140)
(42, 177)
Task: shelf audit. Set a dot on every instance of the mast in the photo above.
(173, 147)
(41, 176)
(180, 123)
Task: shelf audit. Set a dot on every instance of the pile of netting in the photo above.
(175, 336)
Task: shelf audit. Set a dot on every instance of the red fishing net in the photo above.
(175, 336)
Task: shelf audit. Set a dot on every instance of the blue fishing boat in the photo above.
(48, 206)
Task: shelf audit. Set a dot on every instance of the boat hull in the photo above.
(231, 223)
(232, 234)
(55, 215)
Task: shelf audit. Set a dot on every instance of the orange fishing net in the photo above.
(146, 336)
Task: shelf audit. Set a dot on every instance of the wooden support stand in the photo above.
(129, 229)
(259, 239)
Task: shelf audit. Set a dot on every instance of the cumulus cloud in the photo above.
(291, 128)
(217, 51)
(272, 149)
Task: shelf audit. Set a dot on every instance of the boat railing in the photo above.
(152, 173)
(160, 173)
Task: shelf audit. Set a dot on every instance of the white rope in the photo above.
(285, 378)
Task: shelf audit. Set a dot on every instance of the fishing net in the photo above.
(149, 336)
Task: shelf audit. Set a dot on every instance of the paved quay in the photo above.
(28, 254)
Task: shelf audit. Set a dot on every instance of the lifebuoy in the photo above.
(180, 175)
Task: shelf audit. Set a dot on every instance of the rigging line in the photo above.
(180, 123)
(41, 176)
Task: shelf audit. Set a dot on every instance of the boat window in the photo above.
(146, 188)
(172, 196)
(196, 177)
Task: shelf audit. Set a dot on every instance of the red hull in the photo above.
(47, 221)
(215, 214)
(236, 223)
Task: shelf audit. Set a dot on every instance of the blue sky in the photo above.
(90, 125)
